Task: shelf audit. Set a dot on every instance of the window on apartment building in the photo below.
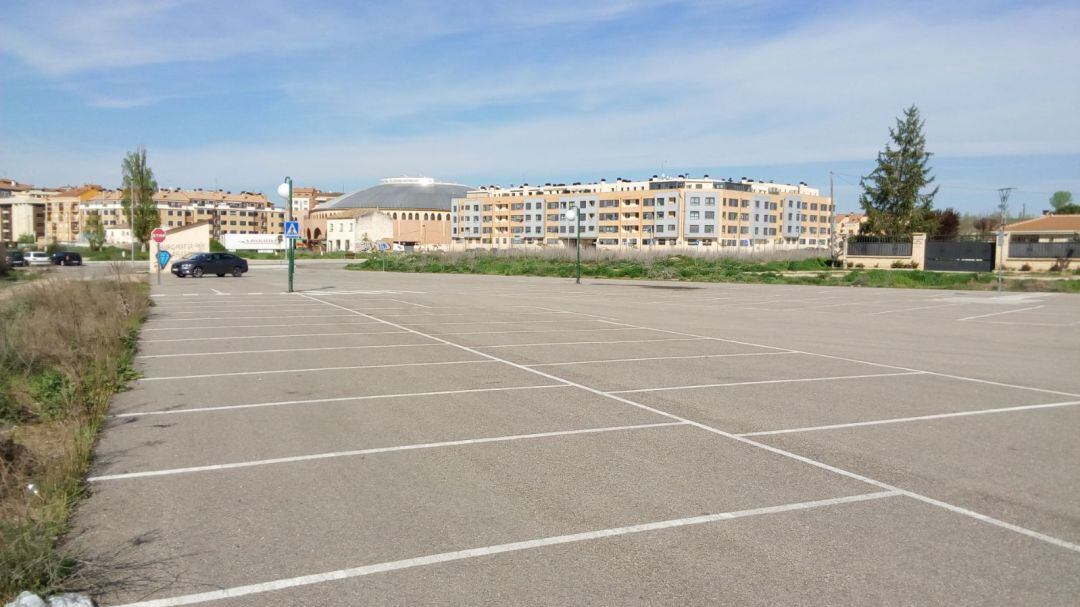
(710, 229)
(732, 229)
(732, 216)
(710, 201)
(517, 206)
(695, 200)
(671, 227)
(695, 229)
(744, 216)
(695, 215)
(710, 214)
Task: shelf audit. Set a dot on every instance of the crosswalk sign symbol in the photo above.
(292, 229)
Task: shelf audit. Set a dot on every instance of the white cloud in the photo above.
(827, 89)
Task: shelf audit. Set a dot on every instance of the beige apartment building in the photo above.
(662, 211)
(63, 222)
(227, 213)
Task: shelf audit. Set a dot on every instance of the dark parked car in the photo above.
(16, 259)
(197, 264)
(66, 258)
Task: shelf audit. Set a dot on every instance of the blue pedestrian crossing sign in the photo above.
(292, 229)
(163, 258)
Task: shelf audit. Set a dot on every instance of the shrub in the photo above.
(899, 264)
(1026, 267)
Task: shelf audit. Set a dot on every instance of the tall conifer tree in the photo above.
(894, 194)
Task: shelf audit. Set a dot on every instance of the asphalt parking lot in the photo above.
(419, 439)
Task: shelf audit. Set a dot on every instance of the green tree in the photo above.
(94, 231)
(1068, 209)
(1061, 198)
(27, 239)
(139, 187)
(894, 194)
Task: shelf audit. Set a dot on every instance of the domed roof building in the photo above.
(410, 211)
(414, 193)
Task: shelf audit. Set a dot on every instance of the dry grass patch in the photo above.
(66, 347)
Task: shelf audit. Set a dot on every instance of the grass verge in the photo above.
(66, 346)
(810, 271)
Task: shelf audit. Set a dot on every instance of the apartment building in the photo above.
(227, 213)
(63, 222)
(22, 214)
(662, 211)
(306, 199)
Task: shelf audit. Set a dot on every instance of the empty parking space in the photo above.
(1013, 466)
(881, 547)
(450, 370)
(487, 494)
(793, 405)
(692, 374)
(155, 442)
(412, 439)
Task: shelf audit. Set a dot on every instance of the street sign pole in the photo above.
(292, 241)
(158, 236)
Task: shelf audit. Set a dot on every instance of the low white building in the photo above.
(351, 233)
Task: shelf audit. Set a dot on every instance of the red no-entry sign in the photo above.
(158, 235)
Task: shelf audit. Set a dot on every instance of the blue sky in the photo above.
(338, 94)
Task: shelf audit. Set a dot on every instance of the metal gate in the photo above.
(960, 255)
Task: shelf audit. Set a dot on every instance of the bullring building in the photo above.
(408, 211)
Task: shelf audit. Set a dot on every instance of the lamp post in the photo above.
(575, 214)
(285, 191)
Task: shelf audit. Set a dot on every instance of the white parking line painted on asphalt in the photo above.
(313, 370)
(445, 557)
(372, 451)
(162, 341)
(467, 313)
(766, 381)
(216, 292)
(1000, 313)
(157, 320)
(748, 441)
(267, 351)
(506, 322)
(340, 399)
(913, 309)
(300, 324)
(410, 303)
(582, 343)
(919, 418)
(165, 314)
(534, 331)
(628, 360)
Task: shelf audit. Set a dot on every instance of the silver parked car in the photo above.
(38, 258)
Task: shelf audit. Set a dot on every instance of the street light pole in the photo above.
(575, 214)
(286, 190)
(578, 215)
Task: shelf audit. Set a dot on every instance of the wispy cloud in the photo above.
(520, 90)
